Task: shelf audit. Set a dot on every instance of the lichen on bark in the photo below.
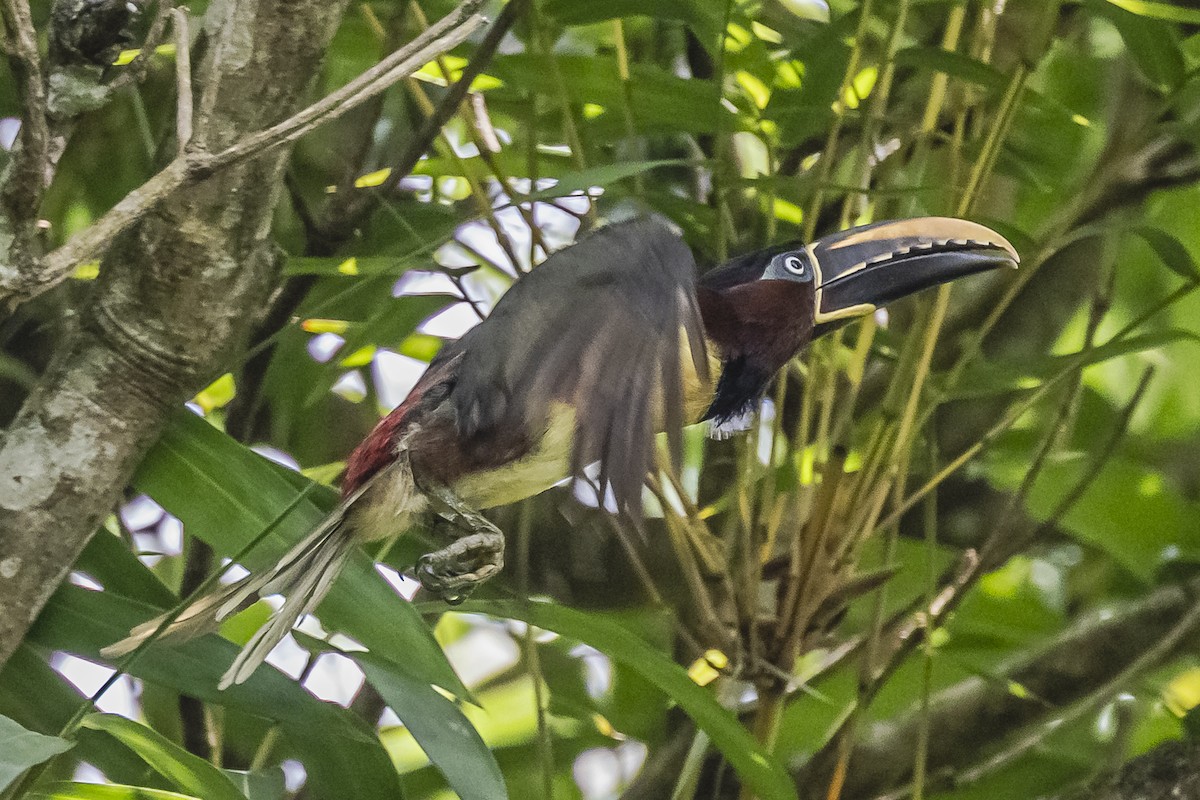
(169, 309)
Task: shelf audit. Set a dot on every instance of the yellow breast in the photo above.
(550, 461)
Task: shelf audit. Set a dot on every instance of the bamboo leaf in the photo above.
(1171, 251)
(21, 749)
(1151, 42)
(986, 378)
(1164, 11)
(342, 755)
(226, 494)
(70, 790)
(585, 179)
(190, 773)
(436, 723)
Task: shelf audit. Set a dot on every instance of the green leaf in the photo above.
(109, 561)
(1191, 724)
(21, 749)
(757, 768)
(984, 378)
(1129, 512)
(189, 772)
(70, 790)
(1171, 251)
(17, 371)
(705, 17)
(262, 784)
(1165, 11)
(438, 725)
(399, 317)
(226, 494)
(606, 175)
(956, 65)
(1151, 42)
(660, 102)
(343, 756)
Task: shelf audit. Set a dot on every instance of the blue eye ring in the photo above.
(794, 265)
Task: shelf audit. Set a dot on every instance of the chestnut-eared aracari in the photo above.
(584, 361)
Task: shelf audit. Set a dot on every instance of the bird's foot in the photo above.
(453, 572)
(476, 554)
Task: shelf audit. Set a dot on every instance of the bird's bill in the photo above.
(858, 270)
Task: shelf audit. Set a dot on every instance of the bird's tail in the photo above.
(303, 576)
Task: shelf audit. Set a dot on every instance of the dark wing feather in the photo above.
(597, 325)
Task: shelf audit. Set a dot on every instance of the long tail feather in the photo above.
(303, 576)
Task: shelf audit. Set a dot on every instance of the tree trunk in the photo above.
(168, 311)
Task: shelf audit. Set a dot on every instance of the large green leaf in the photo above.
(262, 784)
(226, 494)
(189, 772)
(757, 768)
(1129, 512)
(21, 749)
(341, 753)
(38, 697)
(109, 561)
(439, 727)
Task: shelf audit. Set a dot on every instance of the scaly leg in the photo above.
(477, 553)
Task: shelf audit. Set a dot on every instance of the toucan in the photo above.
(584, 361)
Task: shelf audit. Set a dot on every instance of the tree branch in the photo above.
(195, 166)
(1093, 657)
(25, 179)
(169, 308)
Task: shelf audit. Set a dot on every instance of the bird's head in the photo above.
(761, 309)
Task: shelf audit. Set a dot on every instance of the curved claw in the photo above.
(453, 572)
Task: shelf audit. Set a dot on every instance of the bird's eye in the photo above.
(794, 265)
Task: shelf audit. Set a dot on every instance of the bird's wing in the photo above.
(599, 326)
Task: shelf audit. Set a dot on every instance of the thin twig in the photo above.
(418, 144)
(28, 181)
(1092, 703)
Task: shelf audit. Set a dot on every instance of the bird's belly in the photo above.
(388, 504)
(535, 472)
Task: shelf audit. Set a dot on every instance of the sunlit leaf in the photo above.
(1166, 11)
